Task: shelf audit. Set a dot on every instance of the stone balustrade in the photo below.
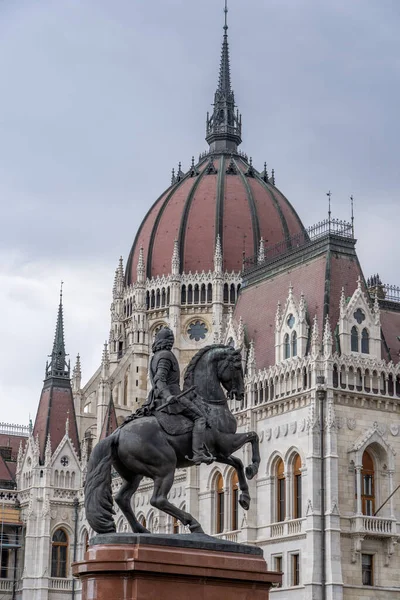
(287, 528)
(367, 376)
(60, 584)
(230, 536)
(6, 585)
(374, 526)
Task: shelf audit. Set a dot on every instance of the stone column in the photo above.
(358, 489)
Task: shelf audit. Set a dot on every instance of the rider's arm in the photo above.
(160, 379)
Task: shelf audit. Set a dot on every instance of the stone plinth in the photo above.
(178, 567)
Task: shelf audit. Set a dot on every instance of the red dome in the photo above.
(232, 200)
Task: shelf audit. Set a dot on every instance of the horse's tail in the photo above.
(98, 493)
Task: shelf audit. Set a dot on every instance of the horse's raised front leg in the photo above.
(162, 486)
(123, 499)
(236, 463)
(228, 443)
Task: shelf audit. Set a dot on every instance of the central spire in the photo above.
(58, 366)
(224, 127)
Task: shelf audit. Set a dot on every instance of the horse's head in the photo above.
(230, 373)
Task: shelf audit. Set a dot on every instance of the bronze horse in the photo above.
(142, 448)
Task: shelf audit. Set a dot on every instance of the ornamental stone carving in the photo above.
(351, 423)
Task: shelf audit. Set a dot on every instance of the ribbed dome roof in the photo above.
(222, 196)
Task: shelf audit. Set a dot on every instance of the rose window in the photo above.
(197, 331)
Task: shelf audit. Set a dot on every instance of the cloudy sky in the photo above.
(99, 100)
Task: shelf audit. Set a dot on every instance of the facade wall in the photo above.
(282, 404)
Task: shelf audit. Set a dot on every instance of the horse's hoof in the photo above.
(251, 471)
(244, 502)
(197, 528)
(140, 529)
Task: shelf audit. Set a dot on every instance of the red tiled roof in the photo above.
(5, 474)
(13, 442)
(195, 210)
(320, 279)
(110, 421)
(55, 406)
(390, 323)
(12, 467)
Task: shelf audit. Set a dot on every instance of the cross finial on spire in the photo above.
(226, 16)
(352, 214)
(58, 367)
(224, 127)
(329, 194)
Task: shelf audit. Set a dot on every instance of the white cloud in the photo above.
(29, 301)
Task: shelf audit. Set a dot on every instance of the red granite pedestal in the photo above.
(147, 570)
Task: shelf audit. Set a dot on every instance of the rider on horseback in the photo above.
(164, 376)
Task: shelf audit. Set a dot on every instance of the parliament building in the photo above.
(222, 256)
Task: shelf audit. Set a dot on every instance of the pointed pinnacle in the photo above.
(121, 267)
(175, 263)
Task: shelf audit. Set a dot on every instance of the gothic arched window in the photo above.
(365, 341)
(280, 491)
(209, 293)
(368, 485)
(220, 504)
(203, 293)
(297, 512)
(226, 293)
(286, 346)
(232, 295)
(235, 502)
(142, 521)
(59, 551)
(294, 343)
(354, 339)
(183, 294)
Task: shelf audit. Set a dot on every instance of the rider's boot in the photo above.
(200, 452)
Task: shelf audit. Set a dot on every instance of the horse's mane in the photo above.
(189, 375)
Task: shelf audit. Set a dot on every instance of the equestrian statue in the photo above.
(174, 429)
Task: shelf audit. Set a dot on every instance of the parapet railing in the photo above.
(299, 240)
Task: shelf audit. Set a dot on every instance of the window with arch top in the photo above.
(280, 491)
(365, 341)
(235, 502)
(294, 343)
(286, 346)
(220, 504)
(142, 521)
(59, 552)
(368, 485)
(354, 339)
(297, 504)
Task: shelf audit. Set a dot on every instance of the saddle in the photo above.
(173, 424)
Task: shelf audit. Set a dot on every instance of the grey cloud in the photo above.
(99, 100)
